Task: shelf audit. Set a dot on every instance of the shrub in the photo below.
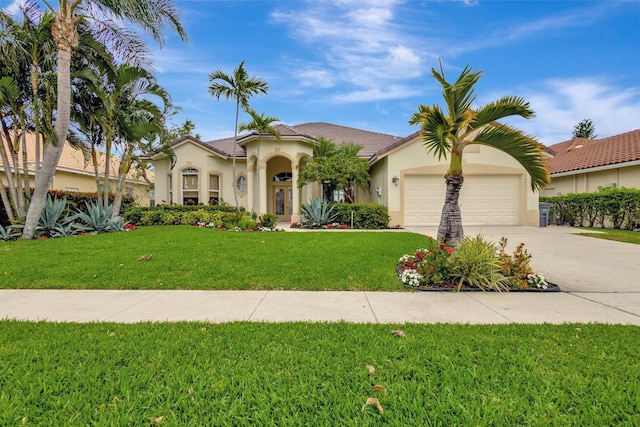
(368, 216)
(614, 207)
(268, 220)
(434, 265)
(515, 268)
(475, 264)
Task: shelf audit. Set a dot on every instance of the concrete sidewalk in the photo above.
(600, 280)
(283, 306)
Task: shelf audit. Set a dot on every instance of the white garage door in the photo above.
(484, 200)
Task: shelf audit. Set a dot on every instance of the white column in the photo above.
(251, 188)
(262, 177)
(295, 211)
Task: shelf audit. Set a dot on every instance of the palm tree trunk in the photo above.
(235, 142)
(8, 173)
(450, 230)
(53, 150)
(123, 170)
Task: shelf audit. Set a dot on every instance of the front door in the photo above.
(282, 197)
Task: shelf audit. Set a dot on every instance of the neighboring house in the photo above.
(404, 177)
(583, 165)
(75, 173)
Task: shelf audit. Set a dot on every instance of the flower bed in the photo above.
(477, 265)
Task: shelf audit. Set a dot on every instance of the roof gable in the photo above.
(372, 142)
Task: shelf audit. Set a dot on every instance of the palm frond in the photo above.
(436, 131)
(501, 108)
(523, 148)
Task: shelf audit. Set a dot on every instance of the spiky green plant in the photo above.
(317, 213)
(52, 216)
(475, 264)
(97, 219)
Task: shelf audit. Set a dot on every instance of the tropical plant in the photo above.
(447, 135)
(336, 167)
(66, 230)
(53, 215)
(584, 129)
(317, 213)
(262, 126)
(97, 218)
(239, 87)
(153, 16)
(476, 265)
(9, 233)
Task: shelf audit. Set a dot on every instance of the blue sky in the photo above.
(367, 63)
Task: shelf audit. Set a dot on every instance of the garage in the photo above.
(484, 200)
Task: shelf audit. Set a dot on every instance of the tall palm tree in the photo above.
(153, 16)
(263, 126)
(448, 135)
(238, 87)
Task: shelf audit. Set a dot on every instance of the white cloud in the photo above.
(360, 46)
(560, 104)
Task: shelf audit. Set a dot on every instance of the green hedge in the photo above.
(210, 215)
(366, 216)
(169, 214)
(615, 207)
(75, 202)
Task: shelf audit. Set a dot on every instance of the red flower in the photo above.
(441, 246)
(249, 230)
(449, 251)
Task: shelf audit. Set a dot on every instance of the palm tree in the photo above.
(263, 126)
(153, 16)
(448, 135)
(239, 87)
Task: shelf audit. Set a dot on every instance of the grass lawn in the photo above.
(184, 257)
(617, 235)
(295, 374)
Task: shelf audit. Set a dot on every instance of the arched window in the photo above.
(190, 186)
(283, 177)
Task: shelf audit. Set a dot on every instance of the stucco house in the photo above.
(403, 176)
(582, 165)
(75, 173)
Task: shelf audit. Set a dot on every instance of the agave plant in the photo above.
(317, 212)
(97, 219)
(66, 230)
(52, 216)
(9, 233)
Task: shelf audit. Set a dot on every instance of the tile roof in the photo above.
(580, 153)
(372, 142)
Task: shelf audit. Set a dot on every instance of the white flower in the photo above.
(410, 277)
(537, 280)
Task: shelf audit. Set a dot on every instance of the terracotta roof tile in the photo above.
(74, 160)
(579, 153)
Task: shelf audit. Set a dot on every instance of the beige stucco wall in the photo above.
(412, 158)
(190, 155)
(588, 182)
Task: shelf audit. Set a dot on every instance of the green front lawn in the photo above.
(186, 257)
(617, 235)
(296, 374)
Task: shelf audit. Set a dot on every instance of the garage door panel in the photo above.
(484, 200)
